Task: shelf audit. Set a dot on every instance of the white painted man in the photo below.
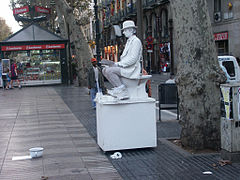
(129, 65)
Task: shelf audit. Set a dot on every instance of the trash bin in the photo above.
(168, 98)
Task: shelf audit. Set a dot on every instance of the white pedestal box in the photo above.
(126, 124)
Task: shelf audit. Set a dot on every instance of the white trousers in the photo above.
(113, 75)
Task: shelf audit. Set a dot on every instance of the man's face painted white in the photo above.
(128, 32)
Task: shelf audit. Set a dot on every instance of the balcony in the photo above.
(131, 10)
(106, 2)
(149, 4)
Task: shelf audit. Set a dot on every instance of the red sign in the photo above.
(42, 10)
(221, 36)
(21, 10)
(150, 39)
(33, 47)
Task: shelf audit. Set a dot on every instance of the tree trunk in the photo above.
(83, 52)
(198, 75)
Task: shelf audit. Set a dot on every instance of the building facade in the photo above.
(225, 18)
(156, 16)
(158, 37)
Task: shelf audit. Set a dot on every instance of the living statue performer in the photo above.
(129, 65)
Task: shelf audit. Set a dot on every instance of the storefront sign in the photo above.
(21, 10)
(33, 47)
(221, 36)
(42, 10)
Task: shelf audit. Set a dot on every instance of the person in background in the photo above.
(148, 84)
(171, 80)
(95, 81)
(8, 79)
(14, 74)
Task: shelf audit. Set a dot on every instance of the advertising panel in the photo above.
(42, 10)
(33, 47)
(21, 10)
(5, 66)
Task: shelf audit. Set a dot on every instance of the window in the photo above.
(154, 26)
(164, 24)
(222, 47)
(217, 5)
(230, 68)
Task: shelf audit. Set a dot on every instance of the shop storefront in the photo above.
(111, 53)
(39, 54)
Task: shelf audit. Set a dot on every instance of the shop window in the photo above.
(230, 68)
(222, 47)
(38, 65)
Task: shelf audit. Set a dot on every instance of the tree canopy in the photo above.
(5, 30)
(67, 18)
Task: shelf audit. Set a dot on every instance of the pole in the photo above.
(140, 20)
(140, 25)
(170, 21)
(70, 58)
(97, 32)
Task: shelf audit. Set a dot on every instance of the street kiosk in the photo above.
(40, 55)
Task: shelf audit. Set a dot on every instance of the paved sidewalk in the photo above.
(33, 117)
(166, 161)
(61, 120)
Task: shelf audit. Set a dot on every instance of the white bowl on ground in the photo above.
(36, 152)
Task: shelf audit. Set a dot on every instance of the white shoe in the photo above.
(121, 93)
(111, 91)
(115, 90)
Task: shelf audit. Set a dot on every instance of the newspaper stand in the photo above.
(230, 122)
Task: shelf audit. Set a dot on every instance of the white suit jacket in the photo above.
(130, 58)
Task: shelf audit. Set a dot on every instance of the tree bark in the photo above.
(198, 75)
(83, 52)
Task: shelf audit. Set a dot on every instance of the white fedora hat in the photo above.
(128, 24)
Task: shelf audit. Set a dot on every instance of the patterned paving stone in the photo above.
(163, 162)
(39, 117)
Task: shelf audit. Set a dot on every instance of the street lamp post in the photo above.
(140, 25)
(140, 20)
(97, 31)
(170, 21)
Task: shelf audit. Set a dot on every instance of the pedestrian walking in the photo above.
(95, 81)
(14, 74)
(8, 79)
(171, 80)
